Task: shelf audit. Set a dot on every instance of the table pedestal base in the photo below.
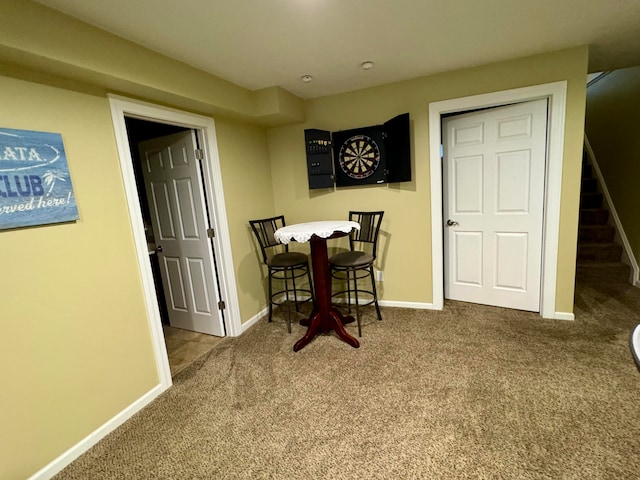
(335, 321)
(325, 317)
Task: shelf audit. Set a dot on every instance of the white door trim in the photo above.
(121, 107)
(557, 94)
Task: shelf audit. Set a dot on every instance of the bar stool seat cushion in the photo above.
(351, 259)
(287, 260)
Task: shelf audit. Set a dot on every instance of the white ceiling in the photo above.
(265, 43)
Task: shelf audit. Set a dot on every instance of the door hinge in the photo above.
(211, 233)
(441, 151)
(221, 305)
(199, 154)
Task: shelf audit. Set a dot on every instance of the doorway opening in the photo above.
(165, 121)
(184, 345)
(494, 165)
(556, 94)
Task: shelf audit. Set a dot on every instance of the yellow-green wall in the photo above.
(406, 238)
(247, 187)
(76, 342)
(612, 126)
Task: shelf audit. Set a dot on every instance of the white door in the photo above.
(173, 182)
(494, 176)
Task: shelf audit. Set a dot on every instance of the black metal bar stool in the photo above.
(357, 263)
(284, 266)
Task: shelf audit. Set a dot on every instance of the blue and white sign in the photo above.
(35, 186)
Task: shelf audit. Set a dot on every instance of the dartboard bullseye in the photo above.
(359, 156)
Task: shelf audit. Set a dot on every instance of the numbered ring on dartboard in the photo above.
(359, 156)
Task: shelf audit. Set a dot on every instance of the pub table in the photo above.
(325, 316)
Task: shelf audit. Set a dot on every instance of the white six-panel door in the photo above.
(178, 216)
(493, 181)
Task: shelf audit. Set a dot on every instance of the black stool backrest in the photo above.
(265, 230)
(369, 229)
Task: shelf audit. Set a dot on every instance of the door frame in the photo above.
(122, 107)
(556, 93)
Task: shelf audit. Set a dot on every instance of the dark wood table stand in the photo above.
(324, 317)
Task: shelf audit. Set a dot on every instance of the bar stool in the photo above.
(357, 263)
(283, 266)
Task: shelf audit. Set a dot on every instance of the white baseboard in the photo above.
(55, 466)
(392, 303)
(253, 320)
(414, 305)
(431, 306)
(386, 303)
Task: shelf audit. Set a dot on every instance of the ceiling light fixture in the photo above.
(306, 78)
(368, 65)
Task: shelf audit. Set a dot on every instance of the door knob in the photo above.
(159, 248)
(452, 223)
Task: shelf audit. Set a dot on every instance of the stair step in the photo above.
(598, 272)
(593, 216)
(599, 252)
(590, 200)
(589, 185)
(596, 233)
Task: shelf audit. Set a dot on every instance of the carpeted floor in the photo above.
(468, 392)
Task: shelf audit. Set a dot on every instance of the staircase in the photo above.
(595, 235)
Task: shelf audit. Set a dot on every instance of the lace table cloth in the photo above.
(302, 232)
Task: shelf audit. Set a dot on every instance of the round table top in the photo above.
(302, 232)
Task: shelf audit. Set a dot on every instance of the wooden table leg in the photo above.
(325, 316)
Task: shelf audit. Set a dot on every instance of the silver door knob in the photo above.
(452, 223)
(159, 248)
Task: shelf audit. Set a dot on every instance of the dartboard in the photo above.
(359, 156)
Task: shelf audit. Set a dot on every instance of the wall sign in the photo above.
(35, 186)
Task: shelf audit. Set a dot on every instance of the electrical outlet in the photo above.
(379, 275)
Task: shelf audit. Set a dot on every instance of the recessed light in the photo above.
(306, 78)
(368, 65)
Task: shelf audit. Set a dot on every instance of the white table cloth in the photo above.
(302, 232)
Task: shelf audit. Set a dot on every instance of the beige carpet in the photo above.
(468, 392)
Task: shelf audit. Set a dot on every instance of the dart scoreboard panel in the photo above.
(368, 155)
(319, 162)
